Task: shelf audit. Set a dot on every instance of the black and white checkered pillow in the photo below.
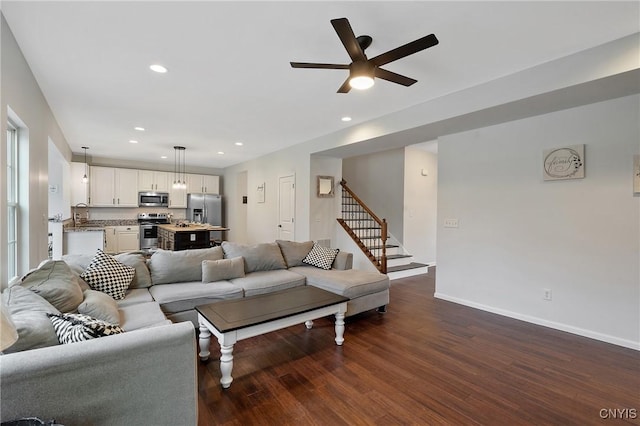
(107, 275)
(321, 257)
(71, 328)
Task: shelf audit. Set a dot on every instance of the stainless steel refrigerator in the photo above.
(206, 208)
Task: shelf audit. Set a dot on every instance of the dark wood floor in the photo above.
(425, 361)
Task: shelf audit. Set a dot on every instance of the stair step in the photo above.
(362, 228)
(386, 246)
(412, 265)
(398, 256)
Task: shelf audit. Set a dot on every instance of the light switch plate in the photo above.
(451, 223)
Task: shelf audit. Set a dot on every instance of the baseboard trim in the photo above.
(545, 323)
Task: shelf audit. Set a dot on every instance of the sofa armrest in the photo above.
(344, 260)
(146, 376)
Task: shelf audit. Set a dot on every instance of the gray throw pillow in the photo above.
(259, 257)
(168, 267)
(223, 269)
(100, 305)
(54, 281)
(28, 312)
(293, 252)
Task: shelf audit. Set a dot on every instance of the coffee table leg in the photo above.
(204, 341)
(308, 324)
(339, 328)
(226, 364)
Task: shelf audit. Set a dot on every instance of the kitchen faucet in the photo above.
(76, 216)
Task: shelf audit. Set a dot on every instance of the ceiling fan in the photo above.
(362, 70)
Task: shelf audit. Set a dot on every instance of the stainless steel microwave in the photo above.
(153, 199)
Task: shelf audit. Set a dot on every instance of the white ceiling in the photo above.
(229, 77)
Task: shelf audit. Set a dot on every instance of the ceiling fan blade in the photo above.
(394, 78)
(405, 50)
(348, 39)
(323, 66)
(345, 86)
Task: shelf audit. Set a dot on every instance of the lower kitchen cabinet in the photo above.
(85, 242)
(119, 239)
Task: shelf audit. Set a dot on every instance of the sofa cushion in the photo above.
(259, 257)
(108, 275)
(321, 257)
(142, 279)
(141, 315)
(28, 312)
(223, 269)
(293, 251)
(135, 295)
(100, 305)
(185, 296)
(350, 283)
(54, 281)
(267, 281)
(72, 328)
(168, 267)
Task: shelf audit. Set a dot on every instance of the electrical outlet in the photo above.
(451, 223)
(546, 294)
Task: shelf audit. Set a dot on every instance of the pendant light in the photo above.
(178, 167)
(85, 178)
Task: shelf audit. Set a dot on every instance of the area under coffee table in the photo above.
(238, 319)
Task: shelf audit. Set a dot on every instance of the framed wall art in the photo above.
(260, 193)
(566, 162)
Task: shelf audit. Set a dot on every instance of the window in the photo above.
(12, 201)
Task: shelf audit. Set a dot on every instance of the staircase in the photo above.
(370, 233)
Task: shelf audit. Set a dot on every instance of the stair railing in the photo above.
(364, 227)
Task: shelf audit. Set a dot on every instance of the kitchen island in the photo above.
(181, 237)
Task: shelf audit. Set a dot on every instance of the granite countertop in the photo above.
(98, 225)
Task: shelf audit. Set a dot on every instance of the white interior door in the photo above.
(286, 207)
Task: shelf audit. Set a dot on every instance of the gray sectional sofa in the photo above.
(75, 383)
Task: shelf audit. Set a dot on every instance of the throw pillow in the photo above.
(71, 328)
(223, 269)
(169, 267)
(321, 257)
(142, 279)
(101, 306)
(259, 257)
(106, 274)
(294, 252)
(28, 312)
(54, 281)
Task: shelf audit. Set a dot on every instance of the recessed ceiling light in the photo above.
(140, 129)
(132, 141)
(220, 153)
(239, 144)
(158, 68)
(163, 156)
(346, 118)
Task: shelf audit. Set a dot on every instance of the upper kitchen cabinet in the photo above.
(111, 187)
(79, 189)
(177, 198)
(151, 180)
(203, 184)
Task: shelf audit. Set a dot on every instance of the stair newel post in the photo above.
(383, 259)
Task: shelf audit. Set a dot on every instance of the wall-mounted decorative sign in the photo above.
(636, 174)
(564, 163)
(260, 193)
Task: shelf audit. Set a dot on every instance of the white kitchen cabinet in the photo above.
(79, 189)
(153, 181)
(112, 187)
(119, 239)
(203, 184)
(177, 198)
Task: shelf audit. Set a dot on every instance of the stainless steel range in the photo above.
(149, 229)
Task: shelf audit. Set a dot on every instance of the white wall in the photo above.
(59, 175)
(420, 204)
(518, 234)
(324, 211)
(21, 95)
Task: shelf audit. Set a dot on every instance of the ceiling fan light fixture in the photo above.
(361, 75)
